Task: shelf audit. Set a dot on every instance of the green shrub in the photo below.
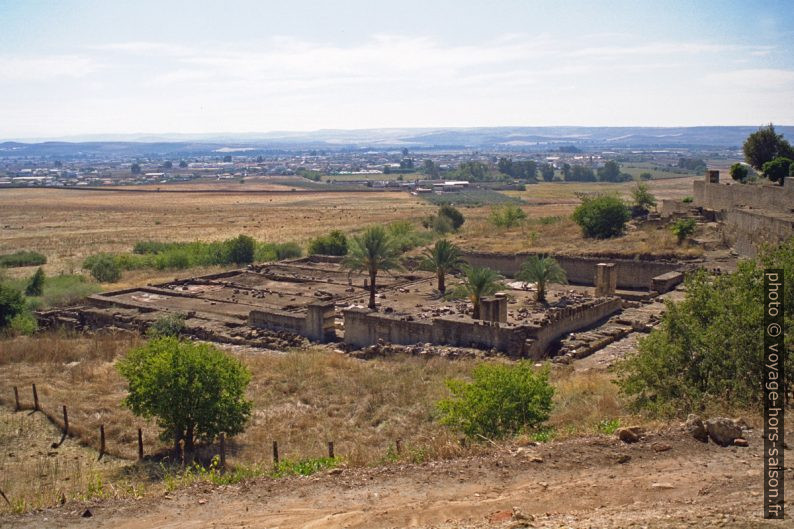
(22, 258)
(739, 172)
(683, 228)
(12, 303)
(241, 250)
(501, 401)
(642, 198)
(304, 467)
(688, 199)
(778, 169)
(406, 237)
(602, 216)
(35, 286)
(441, 224)
(507, 216)
(168, 325)
(194, 390)
(333, 243)
(453, 214)
(709, 348)
(103, 268)
(24, 324)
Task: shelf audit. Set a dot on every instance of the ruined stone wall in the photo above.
(364, 328)
(631, 274)
(573, 319)
(746, 229)
(730, 196)
(278, 320)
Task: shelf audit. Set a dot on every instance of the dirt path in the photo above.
(579, 483)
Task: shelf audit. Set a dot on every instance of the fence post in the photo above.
(65, 422)
(16, 399)
(331, 449)
(275, 452)
(140, 444)
(35, 399)
(101, 441)
(399, 446)
(223, 450)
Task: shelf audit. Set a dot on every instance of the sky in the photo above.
(72, 67)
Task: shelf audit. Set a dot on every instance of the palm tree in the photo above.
(541, 271)
(370, 252)
(443, 258)
(477, 283)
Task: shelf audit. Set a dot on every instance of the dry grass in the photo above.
(302, 399)
(66, 226)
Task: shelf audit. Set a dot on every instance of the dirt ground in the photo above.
(666, 480)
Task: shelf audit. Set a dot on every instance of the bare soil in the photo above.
(579, 483)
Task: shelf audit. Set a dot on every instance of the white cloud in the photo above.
(41, 68)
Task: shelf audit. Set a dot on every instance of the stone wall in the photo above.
(631, 274)
(317, 323)
(729, 196)
(364, 327)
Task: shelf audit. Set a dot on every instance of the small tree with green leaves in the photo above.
(11, 304)
(683, 228)
(167, 325)
(194, 390)
(444, 258)
(739, 172)
(541, 271)
(500, 401)
(453, 214)
(643, 200)
(35, 286)
(507, 216)
(602, 216)
(479, 282)
(372, 251)
(103, 267)
(241, 249)
(778, 169)
(333, 243)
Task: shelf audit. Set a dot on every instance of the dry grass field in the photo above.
(302, 399)
(66, 226)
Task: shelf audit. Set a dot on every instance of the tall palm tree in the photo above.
(370, 252)
(541, 271)
(479, 282)
(443, 258)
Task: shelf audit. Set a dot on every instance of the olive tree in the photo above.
(193, 390)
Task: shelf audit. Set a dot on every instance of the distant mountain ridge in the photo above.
(417, 138)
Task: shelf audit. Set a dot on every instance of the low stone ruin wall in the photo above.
(631, 274)
(364, 328)
(728, 196)
(569, 320)
(316, 323)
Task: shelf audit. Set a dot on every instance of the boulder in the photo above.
(631, 434)
(695, 427)
(723, 431)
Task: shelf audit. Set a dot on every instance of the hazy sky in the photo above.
(113, 66)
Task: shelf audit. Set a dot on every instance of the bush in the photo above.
(642, 197)
(35, 286)
(333, 243)
(194, 390)
(405, 235)
(168, 325)
(688, 199)
(241, 250)
(441, 224)
(709, 348)
(11, 304)
(739, 172)
(103, 268)
(778, 169)
(646, 176)
(22, 258)
(501, 401)
(453, 214)
(24, 324)
(683, 228)
(602, 216)
(507, 216)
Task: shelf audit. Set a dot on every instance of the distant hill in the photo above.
(530, 138)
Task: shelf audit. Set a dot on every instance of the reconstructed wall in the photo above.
(729, 196)
(751, 215)
(316, 323)
(364, 327)
(631, 274)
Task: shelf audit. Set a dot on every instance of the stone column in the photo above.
(320, 321)
(606, 279)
